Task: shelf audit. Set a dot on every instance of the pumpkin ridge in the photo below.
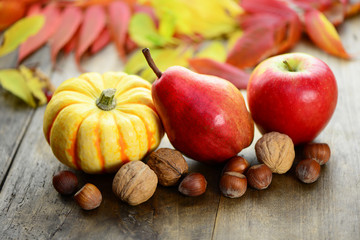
(149, 134)
(73, 91)
(97, 143)
(91, 83)
(121, 143)
(53, 121)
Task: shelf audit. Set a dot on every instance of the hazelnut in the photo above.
(236, 164)
(233, 184)
(317, 151)
(169, 165)
(308, 170)
(193, 185)
(65, 182)
(259, 176)
(134, 183)
(88, 197)
(276, 150)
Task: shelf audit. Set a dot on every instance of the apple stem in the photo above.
(288, 66)
(151, 62)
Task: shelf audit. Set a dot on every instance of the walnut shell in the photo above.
(134, 183)
(169, 165)
(276, 150)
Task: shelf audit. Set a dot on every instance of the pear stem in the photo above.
(151, 62)
(288, 66)
(106, 101)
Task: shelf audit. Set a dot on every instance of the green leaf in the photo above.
(20, 32)
(13, 81)
(215, 51)
(143, 32)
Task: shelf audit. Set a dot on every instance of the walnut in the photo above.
(134, 183)
(276, 150)
(168, 164)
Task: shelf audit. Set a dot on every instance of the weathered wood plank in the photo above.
(15, 115)
(328, 208)
(31, 208)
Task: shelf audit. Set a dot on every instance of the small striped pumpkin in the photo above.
(96, 123)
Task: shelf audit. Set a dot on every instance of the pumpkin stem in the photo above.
(106, 101)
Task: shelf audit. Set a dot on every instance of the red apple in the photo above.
(294, 94)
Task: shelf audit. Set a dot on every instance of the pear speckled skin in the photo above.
(205, 117)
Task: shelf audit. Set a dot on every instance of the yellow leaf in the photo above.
(34, 84)
(204, 17)
(215, 50)
(166, 58)
(143, 32)
(13, 81)
(137, 62)
(20, 31)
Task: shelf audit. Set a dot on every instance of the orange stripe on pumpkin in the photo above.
(123, 157)
(97, 144)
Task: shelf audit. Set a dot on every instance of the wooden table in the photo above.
(30, 208)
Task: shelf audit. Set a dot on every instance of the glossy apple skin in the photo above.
(299, 104)
(205, 117)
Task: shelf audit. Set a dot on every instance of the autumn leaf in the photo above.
(101, 42)
(52, 21)
(143, 31)
(324, 34)
(223, 70)
(214, 50)
(28, 84)
(10, 12)
(70, 22)
(119, 18)
(13, 81)
(191, 17)
(94, 23)
(252, 47)
(168, 57)
(136, 63)
(19, 32)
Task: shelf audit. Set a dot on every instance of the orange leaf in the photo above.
(211, 67)
(94, 22)
(52, 20)
(119, 18)
(253, 46)
(324, 34)
(34, 9)
(70, 22)
(101, 41)
(10, 12)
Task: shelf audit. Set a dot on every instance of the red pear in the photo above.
(205, 117)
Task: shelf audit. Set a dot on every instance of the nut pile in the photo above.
(88, 197)
(136, 182)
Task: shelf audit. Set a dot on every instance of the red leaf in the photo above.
(255, 45)
(71, 44)
(101, 41)
(119, 18)
(70, 22)
(94, 22)
(278, 8)
(34, 9)
(52, 20)
(211, 67)
(324, 34)
(130, 45)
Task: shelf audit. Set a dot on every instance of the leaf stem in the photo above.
(151, 62)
